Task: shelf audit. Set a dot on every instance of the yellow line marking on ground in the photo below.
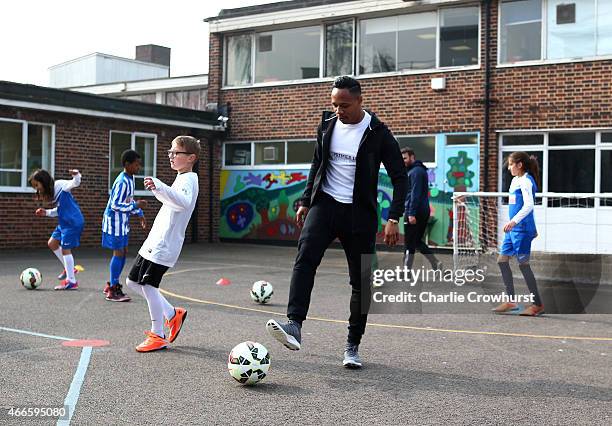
(403, 327)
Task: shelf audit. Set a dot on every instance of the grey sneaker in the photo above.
(351, 356)
(289, 334)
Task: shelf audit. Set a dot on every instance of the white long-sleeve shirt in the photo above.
(165, 240)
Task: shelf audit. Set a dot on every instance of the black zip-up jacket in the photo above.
(417, 200)
(377, 145)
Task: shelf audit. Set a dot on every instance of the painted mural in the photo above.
(261, 204)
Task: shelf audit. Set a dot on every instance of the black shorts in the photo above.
(146, 272)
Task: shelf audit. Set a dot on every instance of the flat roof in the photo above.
(51, 99)
(271, 7)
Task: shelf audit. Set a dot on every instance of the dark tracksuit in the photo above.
(417, 205)
(354, 224)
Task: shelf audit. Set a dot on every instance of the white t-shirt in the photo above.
(165, 240)
(340, 176)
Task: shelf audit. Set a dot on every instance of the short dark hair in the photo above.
(349, 83)
(129, 156)
(407, 150)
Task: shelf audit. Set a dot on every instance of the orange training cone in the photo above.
(224, 281)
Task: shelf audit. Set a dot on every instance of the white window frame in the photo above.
(428, 164)
(546, 148)
(253, 166)
(544, 43)
(139, 192)
(356, 58)
(25, 187)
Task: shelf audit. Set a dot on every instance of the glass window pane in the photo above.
(571, 29)
(377, 45)
(521, 30)
(523, 140)
(558, 139)
(459, 37)
(291, 54)
(416, 40)
(238, 60)
(606, 137)
(270, 153)
(145, 146)
(604, 29)
(507, 176)
(119, 143)
(174, 99)
(424, 147)
(461, 139)
(300, 152)
(571, 170)
(238, 154)
(10, 178)
(339, 49)
(10, 146)
(39, 147)
(606, 176)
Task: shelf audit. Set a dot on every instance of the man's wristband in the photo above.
(394, 221)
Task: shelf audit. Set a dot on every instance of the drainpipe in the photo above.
(487, 90)
(211, 163)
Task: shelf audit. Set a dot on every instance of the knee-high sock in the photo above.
(59, 255)
(135, 287)
(123, 261)
(531, 282)
(69, 265)
(506, 272)
(115, 267)
(159, 308)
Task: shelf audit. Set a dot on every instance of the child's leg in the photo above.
(54, 246)
(135, 287)
(116, 266)
(69, 264)
(158, 308)
(504, 266)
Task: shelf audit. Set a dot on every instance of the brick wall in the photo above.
(571, 95)
(83, 142)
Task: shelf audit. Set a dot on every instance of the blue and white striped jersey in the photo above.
(120, 206)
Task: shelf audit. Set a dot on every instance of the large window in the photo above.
(573, 29)
(339, 49)
(459, 37)
(424, 147)
(520, 30)
(192, 99)
(291, 54)
(419, 41)
(568, 163)
(24, 147)
(143, 143)
(277, 154)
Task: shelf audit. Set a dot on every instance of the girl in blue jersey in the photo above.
(67, 234)
(520, 231)
(116, 222)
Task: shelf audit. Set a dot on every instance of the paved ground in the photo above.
(426, 369)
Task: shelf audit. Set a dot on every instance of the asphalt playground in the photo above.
(419, 369)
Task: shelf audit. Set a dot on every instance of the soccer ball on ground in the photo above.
(30, 278)
(248, 362)
(261, 292)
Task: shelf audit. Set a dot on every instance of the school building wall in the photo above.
(82, 142)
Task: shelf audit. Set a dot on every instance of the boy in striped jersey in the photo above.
(116, 222)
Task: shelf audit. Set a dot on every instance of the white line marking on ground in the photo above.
(75, 387)
(31, 333)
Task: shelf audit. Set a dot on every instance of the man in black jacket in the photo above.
(340, 201)
(417, 210)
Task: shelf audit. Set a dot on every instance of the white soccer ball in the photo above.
(248, 362)
(261, 292)
(31, 278)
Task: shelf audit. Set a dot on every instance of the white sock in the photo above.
(69, 265)
(59, 255)
(135, 287)
(158, 308)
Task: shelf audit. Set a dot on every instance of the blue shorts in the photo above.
(69, 238)
(517, 244)
(114, 242)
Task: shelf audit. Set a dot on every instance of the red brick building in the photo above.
(60, 130)
(463, 82)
